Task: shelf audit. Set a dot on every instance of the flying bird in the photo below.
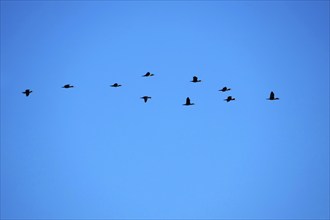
(115, 85)
(195, 79)
(272, 96)
(188, 102)
(27, 92)
(148, 74)
(67, 86)
(224, 89)
(145, 98)
(229, 98)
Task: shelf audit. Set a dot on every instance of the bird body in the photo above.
(272, 96)
(195, 79)
(224, 89)
(67, 86)
(145, 98)
(148, 74)
(27, 92)
(188, 102)
(115, 85)
(229, 98)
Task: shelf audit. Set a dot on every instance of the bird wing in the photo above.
(272, 95)
(187, 101)
(195, 78)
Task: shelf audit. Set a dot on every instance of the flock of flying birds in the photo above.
(195, 79)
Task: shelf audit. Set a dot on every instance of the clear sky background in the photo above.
(100, 152)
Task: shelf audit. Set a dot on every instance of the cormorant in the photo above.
(272, 96)
(188, 102)
(145, 98)
(67, 86)
(115, 85)
(224, 89)
(229, 98)
(27, 92)
(148, 74)
(195, 79)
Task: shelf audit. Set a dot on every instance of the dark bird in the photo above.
(67, 86)
(224, 89)
(115, 85)
(188, 102)
(195, 79)
(272, 96)
(229, 98)
(27, 92)
(148, 74)
(145, 98)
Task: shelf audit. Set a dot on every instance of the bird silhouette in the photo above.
(67, 86)
(27, 92)
(224, 89)
(148, 74)
(145, 98)
(195, 79)
(115, 85)
(272, 96)
(188, 102)
(229, 98)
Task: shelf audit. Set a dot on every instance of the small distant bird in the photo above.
(188, 102)
(67, 86)
(27, 92)
(115, 85)
(229, 98)
(272, 96)
(224, 89)
(148, 74)
(145, 98)
(195, 79)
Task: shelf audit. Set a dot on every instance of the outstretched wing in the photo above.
(272, 95)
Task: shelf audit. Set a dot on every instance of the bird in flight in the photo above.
(145, 98)
(115, 85)
(148, 74)
(27, 92)
(224, 89)
(188, 102)
(229, 98)
(272, 96)
(67, 86)
(195, 79)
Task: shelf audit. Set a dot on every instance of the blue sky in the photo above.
(100, 152)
